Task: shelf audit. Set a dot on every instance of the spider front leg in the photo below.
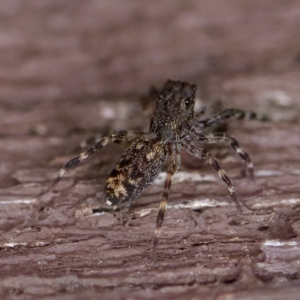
(203, 154)
(173, 164)
(212, 138)
(121, 137)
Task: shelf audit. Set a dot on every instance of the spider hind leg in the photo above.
(120, 137)
(73, 163)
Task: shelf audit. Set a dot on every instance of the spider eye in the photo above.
(188, 102)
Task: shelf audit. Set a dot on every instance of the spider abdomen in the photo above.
(137, 168)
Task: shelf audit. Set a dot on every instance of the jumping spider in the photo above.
(173, 127)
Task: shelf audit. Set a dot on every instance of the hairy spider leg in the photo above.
(119, 137)
(212, 138)
(173, 164)
(203, 154)
(74, 162)
(214, 163)
(231, 112)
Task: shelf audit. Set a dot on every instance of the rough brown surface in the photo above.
(69, 68)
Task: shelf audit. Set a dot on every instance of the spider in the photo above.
(174, 126)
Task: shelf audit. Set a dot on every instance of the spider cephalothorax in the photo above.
(174, 113)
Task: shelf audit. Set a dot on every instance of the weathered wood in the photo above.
(70, 69)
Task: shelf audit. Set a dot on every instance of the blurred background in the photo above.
(55, 49)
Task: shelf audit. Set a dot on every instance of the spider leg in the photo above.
(125, 137)
(74, 162)
(172, 167)
(212, 138)
(231, 112)
(203, 154)
(214, 163)
(121, 137)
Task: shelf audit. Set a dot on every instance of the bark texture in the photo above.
(73, 69)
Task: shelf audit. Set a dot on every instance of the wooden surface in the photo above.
(71, 69)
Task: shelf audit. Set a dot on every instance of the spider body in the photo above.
(146, 156)
(173, 127)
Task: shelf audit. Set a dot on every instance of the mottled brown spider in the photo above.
(173, 127)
